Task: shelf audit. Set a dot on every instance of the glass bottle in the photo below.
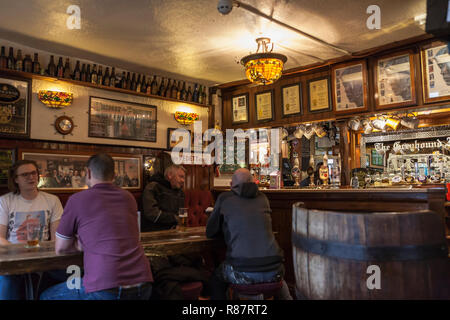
(148, 89)
(138, 84)
(179, 90)
(143, 85)
(112, 78)
(3, 58)
(19, 61)
(195, 93)
(133, 83)
(11, 61)
(83, 73)
(189, 94)
(174, 90)
(94, 76)
(88, 73)
(161, 89)
(128, 82)
(77, 72)
(106, 78)
(154, 86)
(183, 92)
(60, 68)
(200, 95)
(36, 64)
(67, 72)
(27, 64)
(100, 75)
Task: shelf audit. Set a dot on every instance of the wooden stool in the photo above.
(191, 290)
(257, 291)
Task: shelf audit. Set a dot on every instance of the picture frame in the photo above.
(319, 94)
(349, 82)
(239, 108)
(59, 171)
(435, 60)
(264, 106)
(376, 159)
(116, 119)
(291, 100)
(395, 81)
(171, 144)
(7, 159)
(15, 106)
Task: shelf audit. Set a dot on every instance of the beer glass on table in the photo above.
(182, 218)
(33, 233)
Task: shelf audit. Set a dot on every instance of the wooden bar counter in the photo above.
(16, 259)
(362, 200)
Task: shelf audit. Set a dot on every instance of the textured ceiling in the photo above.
(190, 39)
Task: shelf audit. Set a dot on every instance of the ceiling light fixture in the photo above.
(263, 67)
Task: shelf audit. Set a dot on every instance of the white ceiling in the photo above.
(190, 39)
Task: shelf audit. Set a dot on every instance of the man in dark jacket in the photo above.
(162, 198)
(242, 217)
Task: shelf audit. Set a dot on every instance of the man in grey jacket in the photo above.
(242, 217)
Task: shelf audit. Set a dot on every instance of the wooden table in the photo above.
(16, 259)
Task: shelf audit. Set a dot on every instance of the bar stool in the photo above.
(191, 290)
(257, 291)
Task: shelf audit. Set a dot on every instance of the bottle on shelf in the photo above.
(128, 82)
(100, 75)
(174, 90)
(154, 86)
(11, 63)
(148, 88)
(123, 81)
(200, 95)
(3, 58)
(77, 72)
(143, 85)
(183, 92)
(138, 84)
(27, 64)
(161, 89)
(19, 61)
(83, 73)
(195, 93)
(112, 78)
(88, 73)
(189, 94)
(133, 83)
(180, 86)
(59, 68)
(67, 72)
(94, 75)
(167, 89)
(36, 64)
(106, 78)
(204, 95)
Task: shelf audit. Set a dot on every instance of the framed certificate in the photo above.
(436, 72)
(350, 87)
(395, 85)
(291, 100)
(239, 108)
(264, 106)
(319, 94)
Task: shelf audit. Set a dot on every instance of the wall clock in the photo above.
(64, 125)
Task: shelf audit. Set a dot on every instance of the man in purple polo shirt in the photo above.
(102, 222)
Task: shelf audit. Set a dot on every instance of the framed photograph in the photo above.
(319, 94)
(239, 108)
(264, 106)
(376, 159)
(350, 87)
(15, 101)
(435, 72)
(67, 172)
(114, 119)
(291, 100)
(177, 137)
(7, 159)
(395, 85)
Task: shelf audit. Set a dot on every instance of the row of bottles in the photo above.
(165, 88)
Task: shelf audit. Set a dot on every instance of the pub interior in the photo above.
(343, 125)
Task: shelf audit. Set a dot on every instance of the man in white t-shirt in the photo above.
(23, 205)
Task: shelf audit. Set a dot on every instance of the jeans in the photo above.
(226, 274)
(62, 292)
(12, 287)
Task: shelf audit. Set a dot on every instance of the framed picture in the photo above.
(67, 172)
(395, 85)
(264, 106)
(435, 72)
(350, 87)
(7, 159)
(291, 100)
(178, 137)
(15, 100)
(319, 94)
(239, 108)
(376, 159)
(114, 119)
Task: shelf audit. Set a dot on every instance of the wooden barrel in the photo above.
(369, 255)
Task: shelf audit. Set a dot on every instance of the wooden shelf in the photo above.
(28, 75)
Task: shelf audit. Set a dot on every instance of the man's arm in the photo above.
(152, 212)
(3, 240)
(65, 245)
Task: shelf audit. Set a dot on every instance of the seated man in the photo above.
(242, 216)
(25, 204)
(162, 198)
(102, 222)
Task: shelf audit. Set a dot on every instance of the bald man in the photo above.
(242, 217)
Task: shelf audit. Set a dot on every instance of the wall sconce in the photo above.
(186, 117)
(55, 99)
